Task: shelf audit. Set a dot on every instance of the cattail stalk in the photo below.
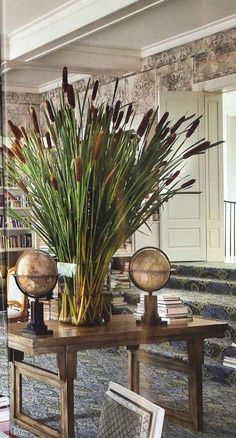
(78, 169)
(24, 133)
(95, 89)
(109, 176)
(16, 149)
(23, 187)
(50, 111)
(54, 182)
(98, 144)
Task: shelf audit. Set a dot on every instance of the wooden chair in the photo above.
(127, 414)
(16, 300)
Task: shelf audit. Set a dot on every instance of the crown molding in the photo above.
(190, 36)
(224, 83)
(65, 26)
(49, 86)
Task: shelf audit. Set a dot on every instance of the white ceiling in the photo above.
(99, 36)
(18, 13)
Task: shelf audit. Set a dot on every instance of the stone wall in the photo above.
(172, 70)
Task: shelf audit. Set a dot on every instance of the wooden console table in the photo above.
(67, 340)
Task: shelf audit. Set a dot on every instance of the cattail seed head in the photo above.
(119, 119)
(70, 95)
(98, 144)
(49, 110)
(54, 183)
(35, 120)
(144, 123)
(15, 130)
(188, 183)
(48, 139)
(172, 177)
(164, 133)
(128, 113)
(197, 149)
(78, 169)
(162, 121)
(95, 89)
(170, 139)
(193, 128)
(116, 111)
(177, 124)
(64, 79)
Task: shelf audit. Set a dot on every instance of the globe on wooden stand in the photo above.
(149, 270)
(36, 276)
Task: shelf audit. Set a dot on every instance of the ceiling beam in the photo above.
(71, 24)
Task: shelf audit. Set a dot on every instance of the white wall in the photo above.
(229, 135)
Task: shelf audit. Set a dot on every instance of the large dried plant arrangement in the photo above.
(92, 181)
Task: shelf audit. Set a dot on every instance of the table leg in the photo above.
(195, 349)
(133, 368)
(16, 386)
(67, 373)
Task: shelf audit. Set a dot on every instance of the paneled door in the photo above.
(183, 218)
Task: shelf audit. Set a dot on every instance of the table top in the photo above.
(122, 330)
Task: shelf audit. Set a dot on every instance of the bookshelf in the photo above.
(15, 237)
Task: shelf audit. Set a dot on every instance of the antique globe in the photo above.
(149, 270)
(36, 275)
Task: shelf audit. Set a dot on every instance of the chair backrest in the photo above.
(126, 414)
(14, 295)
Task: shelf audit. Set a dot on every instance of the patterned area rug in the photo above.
(95, 369)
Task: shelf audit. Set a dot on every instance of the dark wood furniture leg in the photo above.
(195, 349)
(67, 364)
(64, 380)
(192, 418)
(133, 368)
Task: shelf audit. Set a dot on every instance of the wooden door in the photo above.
(183, 219)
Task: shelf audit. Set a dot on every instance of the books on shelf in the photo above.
(169, 307)
(16, 241)
(230, 356)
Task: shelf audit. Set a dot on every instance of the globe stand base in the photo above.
(150, 316)
(37, 326)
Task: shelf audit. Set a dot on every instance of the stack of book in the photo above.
(170, 308)
(4, 413)
(230, 356)
(119, 279)
(118, 300)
